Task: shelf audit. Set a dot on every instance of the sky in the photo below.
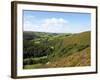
(56, 22)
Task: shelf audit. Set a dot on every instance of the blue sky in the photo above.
(56, 22)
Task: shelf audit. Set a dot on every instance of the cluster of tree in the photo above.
(32, 49)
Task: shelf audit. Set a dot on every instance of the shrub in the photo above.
(28, 62)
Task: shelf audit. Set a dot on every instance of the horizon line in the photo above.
(58, 32)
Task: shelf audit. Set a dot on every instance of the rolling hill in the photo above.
(47, 50)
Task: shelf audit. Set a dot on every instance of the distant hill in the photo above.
(31, 35)
(56, 50)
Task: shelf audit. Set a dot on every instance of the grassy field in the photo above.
(49, 50)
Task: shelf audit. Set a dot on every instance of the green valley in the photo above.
(50, 50)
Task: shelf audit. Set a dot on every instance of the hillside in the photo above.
(43, 50)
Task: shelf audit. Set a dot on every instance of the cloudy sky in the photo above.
(56, 22)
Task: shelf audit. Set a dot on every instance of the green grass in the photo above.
(32, 66)
(47, 50)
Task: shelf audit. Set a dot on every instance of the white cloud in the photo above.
(47, 25)
(29, 26)
(54, 22)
